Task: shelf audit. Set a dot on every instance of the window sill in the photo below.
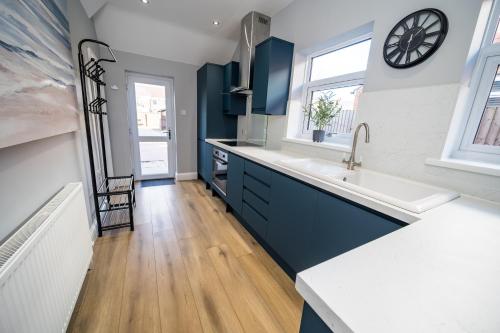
(464, 165)
(322, 145)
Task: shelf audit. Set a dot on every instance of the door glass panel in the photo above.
(151, 109)
(154, 158)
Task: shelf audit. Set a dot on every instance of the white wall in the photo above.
(409, 111)
(184, 76)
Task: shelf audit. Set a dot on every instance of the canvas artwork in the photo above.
(37, 83)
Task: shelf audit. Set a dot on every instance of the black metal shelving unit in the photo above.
(114, 197)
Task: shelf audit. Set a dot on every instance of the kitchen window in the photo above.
(338, 72)
(480, 138)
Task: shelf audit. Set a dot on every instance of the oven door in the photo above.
(219, 174)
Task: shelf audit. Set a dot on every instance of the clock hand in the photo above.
(409, 42)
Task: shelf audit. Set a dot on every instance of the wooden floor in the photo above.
(188, 267)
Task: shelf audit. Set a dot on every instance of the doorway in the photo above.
(152, 126)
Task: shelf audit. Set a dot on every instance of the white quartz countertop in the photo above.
(441, 274)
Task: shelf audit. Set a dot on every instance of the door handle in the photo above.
(169, 133)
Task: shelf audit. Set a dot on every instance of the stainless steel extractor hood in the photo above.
(255, 28)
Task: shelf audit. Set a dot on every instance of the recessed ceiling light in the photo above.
(145, 2)
(216, 22)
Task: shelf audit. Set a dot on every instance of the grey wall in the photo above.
(184, 76)
(81, 27)
(31, 173)
(409, 110)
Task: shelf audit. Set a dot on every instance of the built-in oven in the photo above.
(219, 170)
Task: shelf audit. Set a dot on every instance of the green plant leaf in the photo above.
(323, 110)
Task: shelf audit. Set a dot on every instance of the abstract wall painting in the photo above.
(37, 78)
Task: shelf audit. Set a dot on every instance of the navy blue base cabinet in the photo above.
(311, 322)
(302, 225)
(340, 227)
(291, 220)
(205, 161)
(235, 170)
(271, 76)
(256, 197)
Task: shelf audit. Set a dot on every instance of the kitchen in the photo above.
(313, 166)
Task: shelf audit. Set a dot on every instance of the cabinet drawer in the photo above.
(258, 172)
(258, 188)
(256, 221)
(256, 203)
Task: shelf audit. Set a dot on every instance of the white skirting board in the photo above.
(186, 176)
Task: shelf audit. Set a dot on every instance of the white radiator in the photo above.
(43, 265)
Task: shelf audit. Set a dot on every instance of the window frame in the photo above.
(339, 81)
(487, 65)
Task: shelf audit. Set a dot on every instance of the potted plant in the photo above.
(321, 112)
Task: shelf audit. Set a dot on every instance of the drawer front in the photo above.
(257, 222)
(258, 172)
(258, 188)
(256, 203)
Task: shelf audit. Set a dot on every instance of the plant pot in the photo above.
(318, 135)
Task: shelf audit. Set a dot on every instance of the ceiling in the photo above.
(196, 15)
(178, 30)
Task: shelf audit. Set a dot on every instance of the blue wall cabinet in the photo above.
(291, 218)
(340, 226)
(234, 196)
(233, 104)
(212, 122)
(271, 76)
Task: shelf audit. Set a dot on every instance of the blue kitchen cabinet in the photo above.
(271, 76)
(212, 122)
(341, 226)
(256, 197)
(235, 170)
(311, 322)
(233, 104)
(205, 161)
(291, 219)
(200, 156)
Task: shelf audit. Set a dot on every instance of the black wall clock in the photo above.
(415, 38)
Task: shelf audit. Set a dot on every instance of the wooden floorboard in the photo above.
(101, 304)
(250, 307)
(140, 310)
(178, 310)
(188, 267)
